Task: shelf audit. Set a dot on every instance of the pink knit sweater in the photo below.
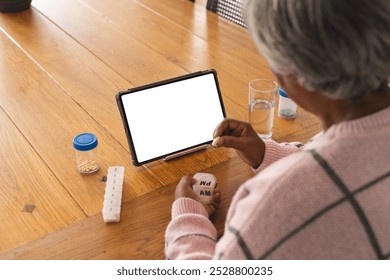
(327, 200)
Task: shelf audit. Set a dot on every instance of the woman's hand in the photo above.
(241, 136)
(184, 189)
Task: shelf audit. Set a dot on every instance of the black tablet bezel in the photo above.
(157, 84)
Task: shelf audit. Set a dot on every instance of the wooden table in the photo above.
(61, 64)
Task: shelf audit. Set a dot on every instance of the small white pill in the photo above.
(217, 142)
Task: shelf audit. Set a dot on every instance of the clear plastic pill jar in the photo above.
(287, 107)
(85, 145)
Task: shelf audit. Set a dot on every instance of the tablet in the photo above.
(171, 118)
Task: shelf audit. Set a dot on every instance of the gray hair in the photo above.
(339, 47)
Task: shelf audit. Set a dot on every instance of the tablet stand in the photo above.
(185, 152)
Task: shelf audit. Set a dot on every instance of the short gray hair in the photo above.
(340, 47)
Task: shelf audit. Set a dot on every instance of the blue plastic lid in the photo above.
(85, 142)
(282, 92)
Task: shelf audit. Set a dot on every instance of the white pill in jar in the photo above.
(287, 107)
(85, 145)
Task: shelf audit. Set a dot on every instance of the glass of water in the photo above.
(262, 99)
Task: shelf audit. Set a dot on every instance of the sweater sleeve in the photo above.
(275, 151)
(190, 234)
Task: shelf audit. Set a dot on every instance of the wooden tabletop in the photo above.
(61, 64)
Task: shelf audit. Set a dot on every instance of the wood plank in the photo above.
(27, 180)
(49, 119)
(180, 46)
(229, 37)
(138, 63)
(139, 234)
(136, 60)
(93, 84)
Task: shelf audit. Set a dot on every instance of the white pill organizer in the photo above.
(113, 194)
(204, 187)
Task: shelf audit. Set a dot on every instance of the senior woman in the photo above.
(329, 199)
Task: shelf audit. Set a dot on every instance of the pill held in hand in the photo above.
(217, 142)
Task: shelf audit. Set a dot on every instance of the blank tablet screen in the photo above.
(171, 116)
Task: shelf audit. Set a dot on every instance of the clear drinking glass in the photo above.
(262, 99)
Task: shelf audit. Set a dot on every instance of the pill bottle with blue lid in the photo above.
(287, 107)
(85, 145)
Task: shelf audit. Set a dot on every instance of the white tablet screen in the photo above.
(171, 117)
